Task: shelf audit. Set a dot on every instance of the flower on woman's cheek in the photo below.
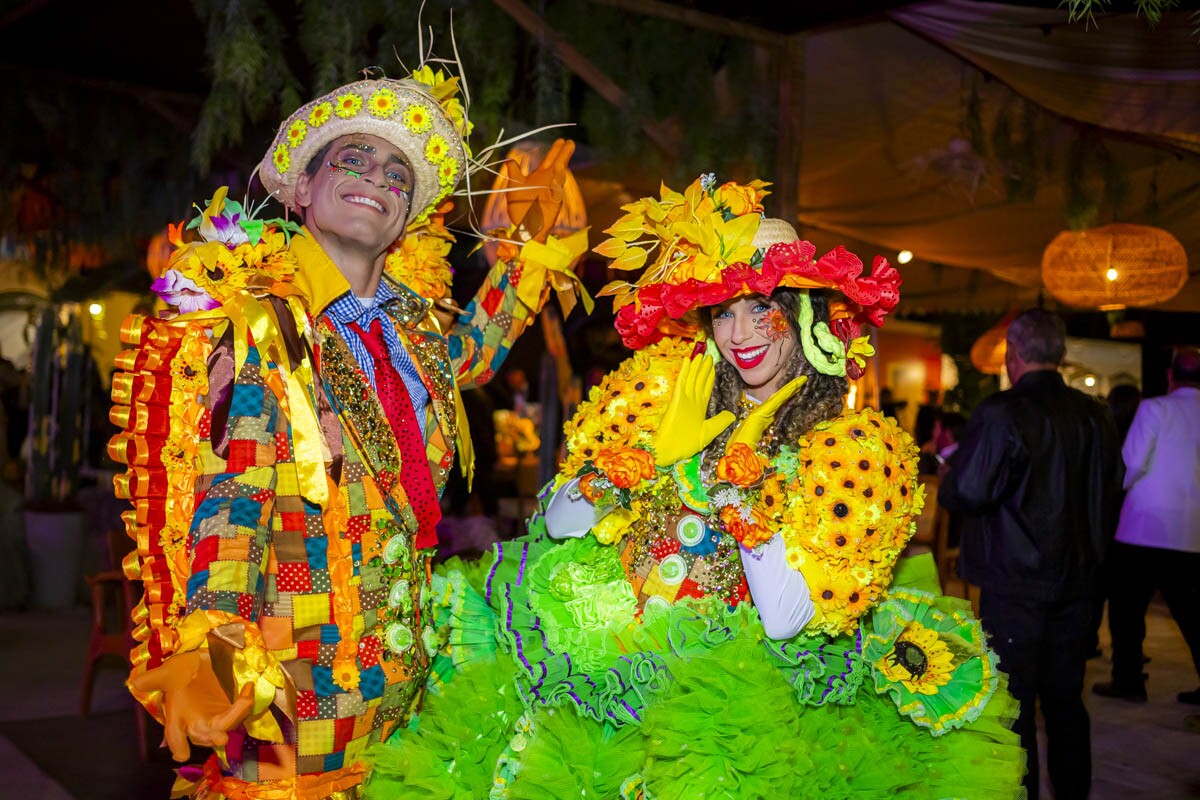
(179, 291)
(773, 326)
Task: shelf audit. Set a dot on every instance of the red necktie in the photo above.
(415, 476)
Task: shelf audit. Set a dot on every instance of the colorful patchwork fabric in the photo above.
(269, 521)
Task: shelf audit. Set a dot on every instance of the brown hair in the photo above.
(820, 398)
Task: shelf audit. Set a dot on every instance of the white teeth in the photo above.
(750, 355)
(365, 201)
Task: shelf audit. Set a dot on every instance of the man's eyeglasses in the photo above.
(356, 165)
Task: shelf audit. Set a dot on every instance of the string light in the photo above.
(904, 256)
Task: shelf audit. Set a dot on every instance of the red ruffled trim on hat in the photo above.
(868, 299)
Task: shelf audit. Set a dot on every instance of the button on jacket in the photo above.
(1038, 477)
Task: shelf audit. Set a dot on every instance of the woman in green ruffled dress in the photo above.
(709, 601)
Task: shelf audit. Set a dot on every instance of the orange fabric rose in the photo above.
(626, 467)
(740, 199)
(590, 493)
(750, 533)
(740, 466)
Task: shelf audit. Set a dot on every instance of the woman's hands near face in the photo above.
(684, 430)
(751, 429)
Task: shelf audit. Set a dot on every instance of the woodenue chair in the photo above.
(112, 626)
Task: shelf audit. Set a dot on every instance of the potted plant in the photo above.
(58, 420)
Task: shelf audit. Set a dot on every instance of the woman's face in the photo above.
(754, 335)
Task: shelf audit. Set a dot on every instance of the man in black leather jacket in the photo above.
(1038, 479)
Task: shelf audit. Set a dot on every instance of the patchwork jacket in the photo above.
(271, 526)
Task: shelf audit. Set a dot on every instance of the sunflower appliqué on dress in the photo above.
(929, 654)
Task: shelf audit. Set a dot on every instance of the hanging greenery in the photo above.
(1096, 184)
(263, 64)
(959, 332)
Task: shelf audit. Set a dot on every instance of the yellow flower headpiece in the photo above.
(421, 115)
(712, 243)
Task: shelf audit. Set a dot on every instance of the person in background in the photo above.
(928, 414)
(889, 406)
(1123, 402)
(1037, 478)
(1158, 538)
(943, 441)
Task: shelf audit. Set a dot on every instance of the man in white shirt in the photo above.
(1158, 538)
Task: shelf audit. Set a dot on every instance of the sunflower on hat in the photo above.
(712, 243)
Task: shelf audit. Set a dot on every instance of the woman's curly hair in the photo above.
(820, 398)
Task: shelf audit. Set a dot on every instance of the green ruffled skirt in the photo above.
(551, 684)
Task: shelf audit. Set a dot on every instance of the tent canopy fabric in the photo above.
(966, 131)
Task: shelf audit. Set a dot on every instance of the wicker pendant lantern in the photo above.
(987, 354)
(1114, 266)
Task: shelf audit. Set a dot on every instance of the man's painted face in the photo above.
(753, 334)
(361, 193)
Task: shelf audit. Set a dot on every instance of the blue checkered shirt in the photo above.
(347, 309)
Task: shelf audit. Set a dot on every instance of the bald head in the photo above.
(1185, 367)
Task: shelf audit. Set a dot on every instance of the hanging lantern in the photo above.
(526, 156)
(1114, 266)
(987, 354)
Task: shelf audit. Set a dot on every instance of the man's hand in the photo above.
(194, 704)
(534, 200)
(684, 431)
(751, 429)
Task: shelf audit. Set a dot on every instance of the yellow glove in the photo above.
(684, 431)
(750, 430)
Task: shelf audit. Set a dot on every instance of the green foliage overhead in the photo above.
(263, 65)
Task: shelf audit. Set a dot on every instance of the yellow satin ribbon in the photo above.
(550, 263)
(251, 317)
(612, 528)
(466, 449)
(254, 665)
(251, 665)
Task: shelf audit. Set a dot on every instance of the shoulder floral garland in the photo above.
(419, 260)
(846, 498)
(235, 251)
